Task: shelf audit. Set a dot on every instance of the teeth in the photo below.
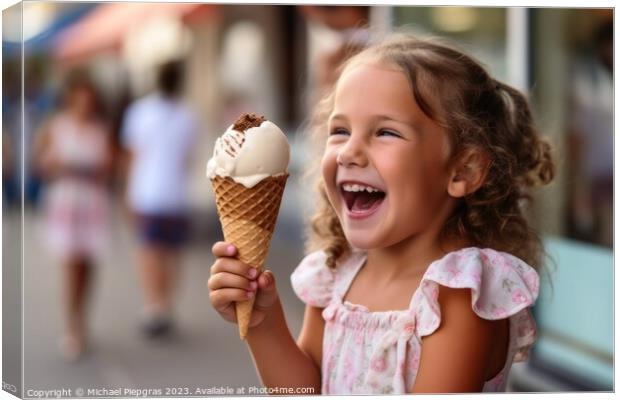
(348, 187)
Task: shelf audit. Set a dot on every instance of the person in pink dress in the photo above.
(74, 153)
(423, 266)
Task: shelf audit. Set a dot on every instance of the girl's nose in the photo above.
(352, 154)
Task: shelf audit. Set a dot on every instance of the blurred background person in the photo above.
(351, 23)
(590, 140)
(73, 154)
(159, 132)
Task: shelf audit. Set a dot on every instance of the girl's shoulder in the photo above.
(480, 264)
(63, 123)
(501, 284)
(314, 282)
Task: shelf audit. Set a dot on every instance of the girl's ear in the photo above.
(469, 172)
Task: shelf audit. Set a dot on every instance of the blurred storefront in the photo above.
(263, 57)
(237, 57)
(540, 51)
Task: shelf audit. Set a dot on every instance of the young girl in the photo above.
(426, 263)
(73, 153)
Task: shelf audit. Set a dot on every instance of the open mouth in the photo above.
(361, 199)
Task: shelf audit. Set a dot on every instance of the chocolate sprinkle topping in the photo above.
(247, 121)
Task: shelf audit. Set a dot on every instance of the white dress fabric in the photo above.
(76, 209)
(368, 352)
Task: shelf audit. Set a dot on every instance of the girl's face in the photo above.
(82, 102)
(385, 165)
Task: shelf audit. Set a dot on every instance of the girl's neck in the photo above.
(79, 117)
(411, 257)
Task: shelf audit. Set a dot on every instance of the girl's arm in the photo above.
(42, 143)
(107, 170)
(280, 361)
(456, 358)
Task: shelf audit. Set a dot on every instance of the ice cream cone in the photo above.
(248, 218)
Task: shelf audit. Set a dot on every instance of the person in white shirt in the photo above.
(159, 131)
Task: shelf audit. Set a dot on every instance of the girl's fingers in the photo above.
(266, 281)
(234, 266)
(223, 249)
(267, 293)
(222, 298)
(223, 280)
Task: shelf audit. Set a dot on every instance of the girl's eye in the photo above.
(338, 131)
(387, 132)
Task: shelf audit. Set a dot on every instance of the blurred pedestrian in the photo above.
(158, 133)
(352, 25)
(73, 154)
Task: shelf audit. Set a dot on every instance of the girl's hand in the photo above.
(232, 280)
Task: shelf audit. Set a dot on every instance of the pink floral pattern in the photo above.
(368, 352)
(378, 364)
(518, 297)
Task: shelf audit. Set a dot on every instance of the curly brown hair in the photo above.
(478, 112)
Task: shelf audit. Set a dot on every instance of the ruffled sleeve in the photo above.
(501, 284)
(313, 280)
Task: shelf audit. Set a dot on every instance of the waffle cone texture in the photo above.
(248, 218)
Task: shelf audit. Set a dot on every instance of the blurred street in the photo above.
(202, 352)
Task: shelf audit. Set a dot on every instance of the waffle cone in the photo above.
(248, 218)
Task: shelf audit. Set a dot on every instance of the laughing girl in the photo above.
(424, 266)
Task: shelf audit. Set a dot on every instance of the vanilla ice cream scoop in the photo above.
(250, 150)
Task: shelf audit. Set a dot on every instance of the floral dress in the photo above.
(76, 208)
(368, 352)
